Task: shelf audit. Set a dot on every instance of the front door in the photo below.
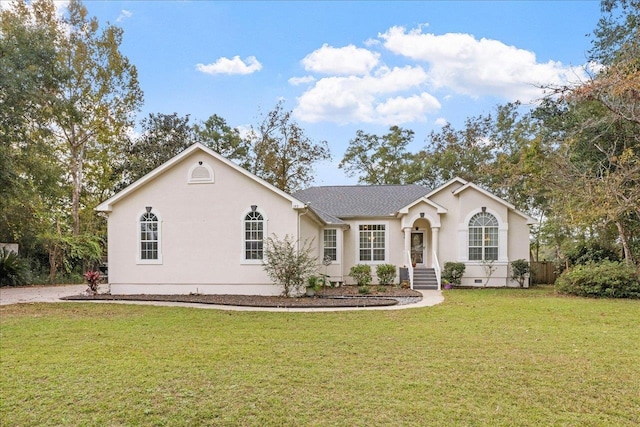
(417, 248)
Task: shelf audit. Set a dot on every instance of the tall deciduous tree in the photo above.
(29, 173)
(97, 95)
(162, 137)
(463, 153)
(378, 159)
(281, 152)
(616, 47)
(216, 134)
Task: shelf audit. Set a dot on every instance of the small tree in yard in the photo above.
(489, 269)
(520, 268)
(289, 265)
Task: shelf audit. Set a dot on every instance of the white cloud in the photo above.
(404, 110)
(295, 81)
(231, 66)
(244, 130)
(356, 99)
(353, 85)
(463, 64)
(441, 121)
(348, 60)
(124, 14)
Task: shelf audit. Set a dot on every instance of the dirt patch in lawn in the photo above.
(344, 296)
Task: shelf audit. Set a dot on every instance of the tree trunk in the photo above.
(628, 256)
(76, 166)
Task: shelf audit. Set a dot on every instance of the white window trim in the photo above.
(265, 223)
(198, 164)
(386, 242)
(139, 260)
(338, 245)
(463, 239)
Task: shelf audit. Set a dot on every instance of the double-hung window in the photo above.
(483, 237)
(330, 240)
(372, 242)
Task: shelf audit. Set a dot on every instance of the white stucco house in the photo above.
(197, 223)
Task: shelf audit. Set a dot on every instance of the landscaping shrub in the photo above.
(608, 279)
(519, 270)
(287, 266)
(13, 270)
(93, 279)
(361, 273)
(386, 273)
(453, 272)
(591, 251)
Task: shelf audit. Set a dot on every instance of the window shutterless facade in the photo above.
(330, 244)
(253, 236)
(372, 242)
(483, 237)
(149, 243)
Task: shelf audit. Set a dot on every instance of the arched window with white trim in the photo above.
(483, 237)
(149, 238)
(254, 236)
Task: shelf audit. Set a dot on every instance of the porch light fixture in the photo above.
(416, 228)
(253, 208)
(484, 209)
(421, 214)
(148, 208)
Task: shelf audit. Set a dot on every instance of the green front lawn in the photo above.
(484, 357)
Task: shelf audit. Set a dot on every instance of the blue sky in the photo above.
(344, 66)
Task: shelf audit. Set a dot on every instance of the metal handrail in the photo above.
(436, 267)
(410, 265)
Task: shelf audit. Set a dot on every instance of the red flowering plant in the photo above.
(92, 277)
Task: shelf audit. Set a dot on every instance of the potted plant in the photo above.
(313, 285)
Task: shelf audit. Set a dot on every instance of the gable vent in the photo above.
(200, 173)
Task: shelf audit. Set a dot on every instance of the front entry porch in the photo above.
(421, 241)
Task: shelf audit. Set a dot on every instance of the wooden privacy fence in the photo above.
(543, 272)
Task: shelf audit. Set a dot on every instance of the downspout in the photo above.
(306, 211)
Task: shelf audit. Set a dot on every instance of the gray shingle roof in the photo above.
(359, 200)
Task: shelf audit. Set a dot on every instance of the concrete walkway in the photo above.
(35, 294)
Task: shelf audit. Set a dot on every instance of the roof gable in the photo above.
(107, 205)
(439, 209)
(456, 180)
(468, 185)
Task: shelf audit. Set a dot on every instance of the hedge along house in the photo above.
(197, 224)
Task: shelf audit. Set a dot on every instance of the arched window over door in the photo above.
(483, 237)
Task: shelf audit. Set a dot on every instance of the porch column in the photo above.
(435, 233)
(407, 245)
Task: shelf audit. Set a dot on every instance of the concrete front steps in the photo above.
(424, 278)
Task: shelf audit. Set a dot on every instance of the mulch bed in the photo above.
(344, 296)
